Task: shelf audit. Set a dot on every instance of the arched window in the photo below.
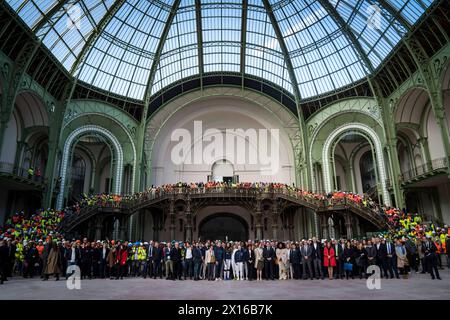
(222, 171)
(367, 168)
(78, 174)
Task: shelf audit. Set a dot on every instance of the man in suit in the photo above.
(411, 254)
(317, 258)
(391, 259)
(157, 260)
(383, 258)
(168, 261)
(429, 249)
(339, 255)
(198, 261)
(148, 266)
(381, 255)
(294, 259)
(249, 260)
(175, 256)
(306, 258)
(219, 254)
(269, 257)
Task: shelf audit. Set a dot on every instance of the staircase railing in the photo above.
(133, 204)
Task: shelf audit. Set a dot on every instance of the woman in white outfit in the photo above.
(282, 258)
(233, 263)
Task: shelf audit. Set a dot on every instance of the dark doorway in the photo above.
(223, 226)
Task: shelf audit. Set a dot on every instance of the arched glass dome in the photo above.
(136, 47)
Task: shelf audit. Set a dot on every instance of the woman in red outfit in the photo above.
(121, 261)
(329, 259)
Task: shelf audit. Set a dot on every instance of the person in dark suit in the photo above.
(86, 261)
(429, 249)
(339, 255)
(306, 252)
(96, 259)
(198, 261)
(157, 259)
(175, 256)
(390, 260)
(317, 258)
(294, 259)
(249, 258)
(219, 254)
(269, 257)
(31, 258)
(381, 255)
(349, 257)
(148, 266)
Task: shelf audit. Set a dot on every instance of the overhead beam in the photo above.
(244, 34)
(198, 19)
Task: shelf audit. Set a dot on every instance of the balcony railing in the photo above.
(11, 169)
(428, 168)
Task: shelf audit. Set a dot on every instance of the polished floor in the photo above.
(418, 286)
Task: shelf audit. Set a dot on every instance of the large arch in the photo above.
(378, 150)
(121, 125)
(66, 154)
(200, 106)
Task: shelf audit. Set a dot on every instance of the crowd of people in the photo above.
(217, 260)
(34, 245)
(212, 186)
(41, 224)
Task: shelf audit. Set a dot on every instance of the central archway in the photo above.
(223, 226)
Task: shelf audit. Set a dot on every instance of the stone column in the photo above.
(348, 225)
(172, 219)
(123, 228)
(275, 221)
(188, 220)
(98, 227)
(324, 225)
(426, 152)
(258, 220)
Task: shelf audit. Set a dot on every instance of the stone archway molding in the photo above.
(66, 154)
(378, 150)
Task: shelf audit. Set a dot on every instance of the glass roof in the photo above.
(134, 48)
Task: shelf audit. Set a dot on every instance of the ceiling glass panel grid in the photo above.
(179, 57)
(322, 55)
(121, 55)
(121, 58)
(32, 11)
(221, 32)
(263, 56)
